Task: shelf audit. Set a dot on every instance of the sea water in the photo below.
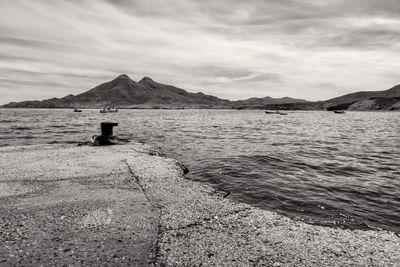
(341, 170)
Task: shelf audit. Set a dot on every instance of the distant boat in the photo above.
(339, 111)
(275, 112)
(108, 110)
(77, 110)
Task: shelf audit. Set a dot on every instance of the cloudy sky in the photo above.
(235, 49)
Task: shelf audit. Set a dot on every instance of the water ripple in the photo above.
(318, 167)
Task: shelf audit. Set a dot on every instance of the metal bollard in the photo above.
(107, 129)
(106, 138)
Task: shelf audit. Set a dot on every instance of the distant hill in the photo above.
(125, 93)
(367, 100)
(365, 95)
(256, 102)
(297, 106)
(362, 101)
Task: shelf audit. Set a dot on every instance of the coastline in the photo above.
(129, 205)
(204, 108)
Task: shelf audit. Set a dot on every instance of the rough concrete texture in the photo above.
(124, 205)
(73, 206)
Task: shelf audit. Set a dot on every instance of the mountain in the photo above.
(126, 93)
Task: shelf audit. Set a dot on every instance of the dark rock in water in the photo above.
(157, 151)
(222, 193)
(183, 167)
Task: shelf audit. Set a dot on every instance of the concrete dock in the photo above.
(126, 205)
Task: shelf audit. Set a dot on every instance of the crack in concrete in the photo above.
(157, 209)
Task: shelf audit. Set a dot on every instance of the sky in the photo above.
(233, 49)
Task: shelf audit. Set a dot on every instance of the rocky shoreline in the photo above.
(129, 205)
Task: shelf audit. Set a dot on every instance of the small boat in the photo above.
(77, 110)
(339, 111)
(275, 112)
(108, 110)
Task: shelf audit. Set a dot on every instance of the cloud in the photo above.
(376, 36)
(229, 48)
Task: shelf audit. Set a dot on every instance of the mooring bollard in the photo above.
(107, 129)
(106, 138)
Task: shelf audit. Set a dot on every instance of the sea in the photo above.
(338, 170)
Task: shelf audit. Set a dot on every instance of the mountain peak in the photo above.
(146, 79)
(123, 77)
